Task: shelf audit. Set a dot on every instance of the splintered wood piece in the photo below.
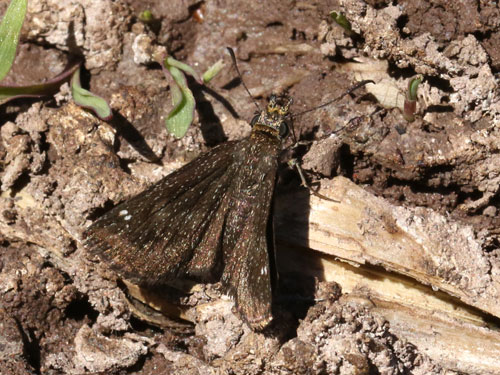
(425, 273)
(416, 242)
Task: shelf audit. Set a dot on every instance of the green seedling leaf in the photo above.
(10, 28)
(410, 104)
(342, 21)
(413, 86)
(213, 71)
(86, 99)
(181, 116)
(171, 62)
(146, 16)
(38, 90)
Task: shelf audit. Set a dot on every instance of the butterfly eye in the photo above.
(254, 120)
(284, 129)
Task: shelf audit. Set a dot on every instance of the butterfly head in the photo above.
(274, 119)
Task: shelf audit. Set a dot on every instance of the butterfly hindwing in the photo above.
(247, 273)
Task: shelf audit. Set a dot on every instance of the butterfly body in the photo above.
(207, 221)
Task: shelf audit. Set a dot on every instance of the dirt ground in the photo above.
(62, 313)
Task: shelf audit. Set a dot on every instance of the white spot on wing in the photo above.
(128, 217)
(123, 212)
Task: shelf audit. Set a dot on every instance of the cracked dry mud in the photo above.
(404, 280)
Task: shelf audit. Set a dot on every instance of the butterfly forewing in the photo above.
(153, 237)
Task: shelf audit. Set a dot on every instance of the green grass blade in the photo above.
(10, 28)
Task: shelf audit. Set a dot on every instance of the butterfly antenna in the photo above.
(350, 90)
(295, 163)
(233, 58)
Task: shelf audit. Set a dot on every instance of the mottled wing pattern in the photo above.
(247, 274)
(172, 229)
